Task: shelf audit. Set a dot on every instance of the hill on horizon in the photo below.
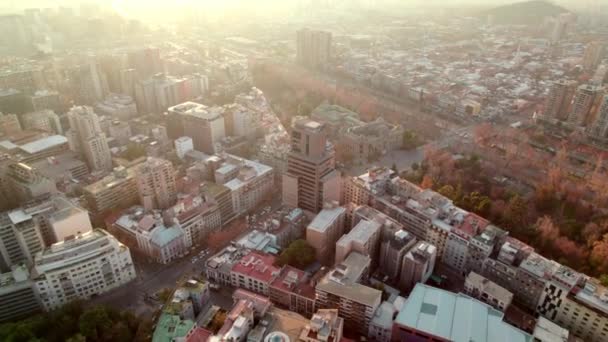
(526, 12)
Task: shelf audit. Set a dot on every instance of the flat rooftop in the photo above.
(325, 218)
(43, 144)
(456, 317)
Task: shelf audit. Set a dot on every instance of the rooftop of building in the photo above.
(342, 281)
(384, 315)
(293, 280)
(286, 322)
(539, 266)
(44, 143)
(249, 170)
(593, 295)
(18, 275)
(257, 265)
(60, 165)
(199, 335)
(422, 252)
(226, 258)
(490, 235)
(489, 287)
(473, 224)
(401, 239)
(325, 218)
(361, 233)
(259, 241)
(375, 179)
(170, 327)
(197, 110)
(80, 246)
(260, 304)
(325, 325)
(335, 114)
(118, 176)
(456, 317)
(309, 125)
(214, 189)
(545, 330)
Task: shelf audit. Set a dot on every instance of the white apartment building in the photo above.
(162, 241)
(182, 146)
(249, 182)
(196, 217)
(92, 263)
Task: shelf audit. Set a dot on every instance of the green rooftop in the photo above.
(170, 327)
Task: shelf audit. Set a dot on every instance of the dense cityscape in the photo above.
(313, 171)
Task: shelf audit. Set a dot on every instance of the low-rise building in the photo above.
(89, 264)
(162, 241)
(438, 315)
(325, 325)
(292, 289)
(254, 272)
(488, 292)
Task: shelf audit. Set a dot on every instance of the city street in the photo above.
(151, 278)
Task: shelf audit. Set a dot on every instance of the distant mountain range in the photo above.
(526, 12)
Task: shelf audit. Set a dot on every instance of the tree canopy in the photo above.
(298, 254)
(74, 323)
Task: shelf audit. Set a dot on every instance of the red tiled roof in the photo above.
(257, 265)
(199, 335)
(473, 224)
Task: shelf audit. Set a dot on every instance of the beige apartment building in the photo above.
(117, 190)
(324, 231)
(156, 183)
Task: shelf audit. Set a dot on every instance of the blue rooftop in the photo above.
(456, 317)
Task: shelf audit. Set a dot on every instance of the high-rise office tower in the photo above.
(586, 103)
(557, 104)
(205, 125)
(592, 56)
(311, 178)
(599, 128)
(87, 138)
(156, 183)
(313, 47)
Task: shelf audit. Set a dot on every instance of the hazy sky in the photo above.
(269, 4)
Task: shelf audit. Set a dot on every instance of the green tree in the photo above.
(604, 279)
(298, 254)
(94, 323)
(447, 191)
